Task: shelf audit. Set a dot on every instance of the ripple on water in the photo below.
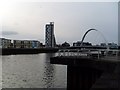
(32, 71)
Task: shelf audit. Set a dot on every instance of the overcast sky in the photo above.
(26, 20)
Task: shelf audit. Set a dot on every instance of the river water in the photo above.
(32, 71)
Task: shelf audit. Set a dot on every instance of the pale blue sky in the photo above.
(26, 20)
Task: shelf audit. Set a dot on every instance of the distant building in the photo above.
(36, 44)
(22, 44)
(103, 44)
(112, 45)
(5, 43)
(78, 43)
(49, 35)
(26, 44)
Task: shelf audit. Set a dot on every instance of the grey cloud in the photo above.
(9, 33)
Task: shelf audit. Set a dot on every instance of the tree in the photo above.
(65, 44)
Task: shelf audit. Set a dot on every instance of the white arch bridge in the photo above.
(89, 52)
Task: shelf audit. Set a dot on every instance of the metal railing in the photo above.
(96, 53)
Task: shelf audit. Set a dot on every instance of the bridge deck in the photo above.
(106, 64)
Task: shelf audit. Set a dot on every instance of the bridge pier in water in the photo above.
(82, 73)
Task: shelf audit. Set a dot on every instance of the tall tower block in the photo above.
(49, 35)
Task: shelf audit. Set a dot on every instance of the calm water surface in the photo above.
(32, 71)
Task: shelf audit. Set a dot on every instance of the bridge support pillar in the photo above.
(79, 78)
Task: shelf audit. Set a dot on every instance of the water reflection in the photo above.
(49, 72)
(32, 71)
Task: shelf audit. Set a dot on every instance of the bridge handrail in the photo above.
(86, 52)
